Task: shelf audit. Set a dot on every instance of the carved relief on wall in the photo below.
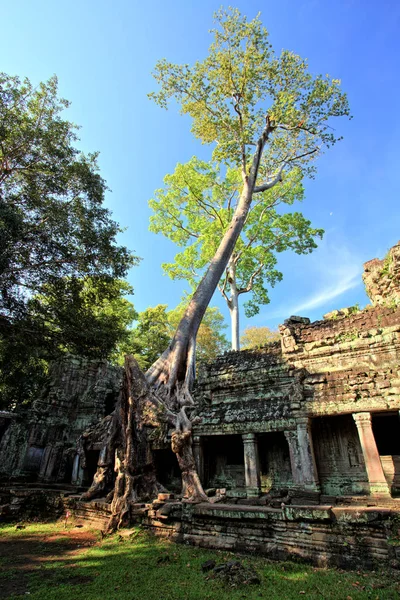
(352, 453)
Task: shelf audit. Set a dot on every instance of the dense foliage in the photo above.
(59, 259)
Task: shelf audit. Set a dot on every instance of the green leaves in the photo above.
(268, 119)
(60, 265)
(202, 198)
(52, 218)
(230, 92)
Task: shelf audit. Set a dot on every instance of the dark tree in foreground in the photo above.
(265, 115)
(56, 237)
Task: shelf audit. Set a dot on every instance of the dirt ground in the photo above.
(26, 554)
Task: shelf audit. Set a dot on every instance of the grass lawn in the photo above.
(47, 562)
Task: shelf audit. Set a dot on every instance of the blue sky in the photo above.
(104, 53)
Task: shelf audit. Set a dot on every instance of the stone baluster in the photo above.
(251, 464)
(376, 478)
(295, 464)
(77, 471)
(302, 458)
(46, 463)
(198, 452)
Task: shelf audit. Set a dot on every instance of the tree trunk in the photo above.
(163, 394)
(234, 314)
(233, 305)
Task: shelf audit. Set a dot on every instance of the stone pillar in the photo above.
(45, 463)
(376, 478)
(302, 458)
(198, 452)
(77, 471)
(291, 438)
(251, 464)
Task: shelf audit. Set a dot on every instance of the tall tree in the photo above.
(266, 115)
(194, 209)
(53, 223)
(56, 236)
(211, 340)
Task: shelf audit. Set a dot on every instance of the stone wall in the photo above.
(40, 443)
(382, 278)
(345, 537)
(325, 388)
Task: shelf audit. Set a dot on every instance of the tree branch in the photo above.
(269, 127)
(204, 204)
(271, 183)
(249, 286)
(179, 224)
(222, 289)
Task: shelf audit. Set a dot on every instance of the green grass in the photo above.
(141, 567)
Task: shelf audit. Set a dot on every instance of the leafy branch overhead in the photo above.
(242, 86)
(268, 119)
(194, 210)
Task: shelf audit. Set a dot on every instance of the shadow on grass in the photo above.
(59, 566)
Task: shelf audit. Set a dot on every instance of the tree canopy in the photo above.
(194, 209)
(53, 223)
(268, 119)
(241, 81)
(61, 267)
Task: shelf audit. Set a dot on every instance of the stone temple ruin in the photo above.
(300, 437)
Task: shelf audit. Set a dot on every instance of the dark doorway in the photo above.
(386, 428)
(273, 452)
(68, 466)
(32, 461)
(224, 461)
(109, 404)
(92, 458)
(168, 471)
(339, 456)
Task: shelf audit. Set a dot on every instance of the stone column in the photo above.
(302, 458)
(251, 464)
(44, 465)
(77, 471)
(198, 452)
(307, 456)
(291, 438)
(376, 478)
